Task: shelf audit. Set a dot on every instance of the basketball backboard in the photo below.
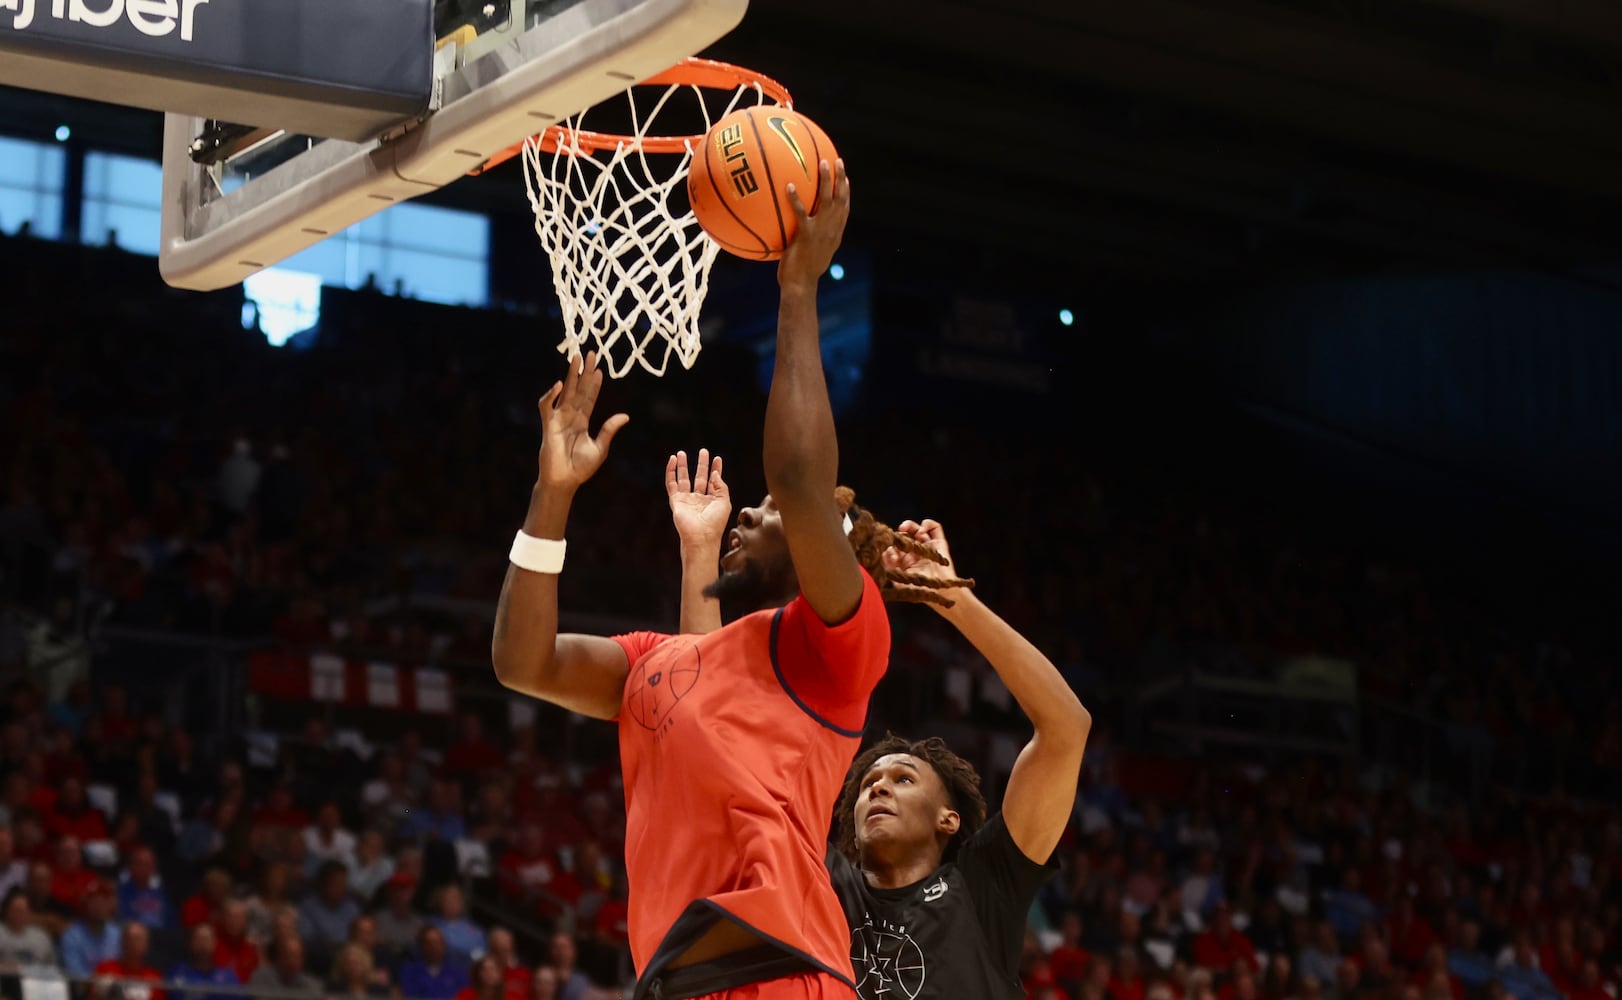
(238, 198)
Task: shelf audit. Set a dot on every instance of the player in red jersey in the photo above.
(733, 744)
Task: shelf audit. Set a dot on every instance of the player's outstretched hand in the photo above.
(821, 228)
(700, 504)
(570, 455)
(929, 533)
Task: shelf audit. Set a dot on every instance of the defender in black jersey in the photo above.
(936, 893)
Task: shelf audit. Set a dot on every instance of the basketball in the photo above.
(738, 184)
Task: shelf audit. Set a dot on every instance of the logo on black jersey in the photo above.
(935, 890)
(889, 964)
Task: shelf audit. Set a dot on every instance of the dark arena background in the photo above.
(1263, 359)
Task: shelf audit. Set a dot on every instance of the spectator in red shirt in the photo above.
(1559, 958)
(1589, 985)
(1410, 936)
(500, 946)
(74, 816)
(529, 869)
(117, 728)
(1070, 959)
(1220, 946)
(279, 810)
(232, 948)
(205, 906)
(486, 981)
(64, 760)
(1127, 981)
(474, 755)
(127, 976)
(1435, 965)
(71, 880)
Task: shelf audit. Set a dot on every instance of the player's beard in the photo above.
(745, 590)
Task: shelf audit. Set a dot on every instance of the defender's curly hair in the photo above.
(871, 537)
(958, 775)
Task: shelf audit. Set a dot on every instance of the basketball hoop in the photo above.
(629, 272)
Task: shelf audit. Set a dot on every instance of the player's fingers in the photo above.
(907, 527)
(701, 473)
(547, 405)
(718, 486)
(798, 205)
(684, 484)
(670, 475)
(611, 427)
(825, 185)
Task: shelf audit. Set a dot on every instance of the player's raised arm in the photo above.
(700, 506)
(1042, 789)
(801, 452)
(582, 673)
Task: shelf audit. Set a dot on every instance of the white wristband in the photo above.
(538, 555)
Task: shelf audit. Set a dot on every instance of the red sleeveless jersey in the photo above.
(734, 747)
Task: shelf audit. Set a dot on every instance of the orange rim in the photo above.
(710, 74)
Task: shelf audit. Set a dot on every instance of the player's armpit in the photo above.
(584, 674)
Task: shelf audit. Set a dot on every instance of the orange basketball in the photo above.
(738, 184)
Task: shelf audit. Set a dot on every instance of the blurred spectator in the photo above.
(325, 916)
(572, 984)
(44, 908)
(74, 816)
(353, 975)
(280, 810)
(1410, 935)
(21, 942)
(1202, 888)
(440, 819)
(204, 906)
(94, 939)
(199, 969)
(1222, 945)
(75, 707)
(239, 477)
(370, 867)
(544, 984)
(1522, 978)
(140, 892)
(388, 797)
(1433, 976)
(464, 940)
(269, 903)
(486, 981)
(126, 976)
(70, 879)
(432, 975)
(286, 969)
(1069, 960)
(327, 840)
(1347, 908)
(505, 951)
(1322, 957)
(363, 935)
(13, 870)
(234, 949)
(399, 927)
(473, 755)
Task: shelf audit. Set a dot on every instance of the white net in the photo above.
(630, 272)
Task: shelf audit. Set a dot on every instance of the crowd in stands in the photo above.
(163, 469)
